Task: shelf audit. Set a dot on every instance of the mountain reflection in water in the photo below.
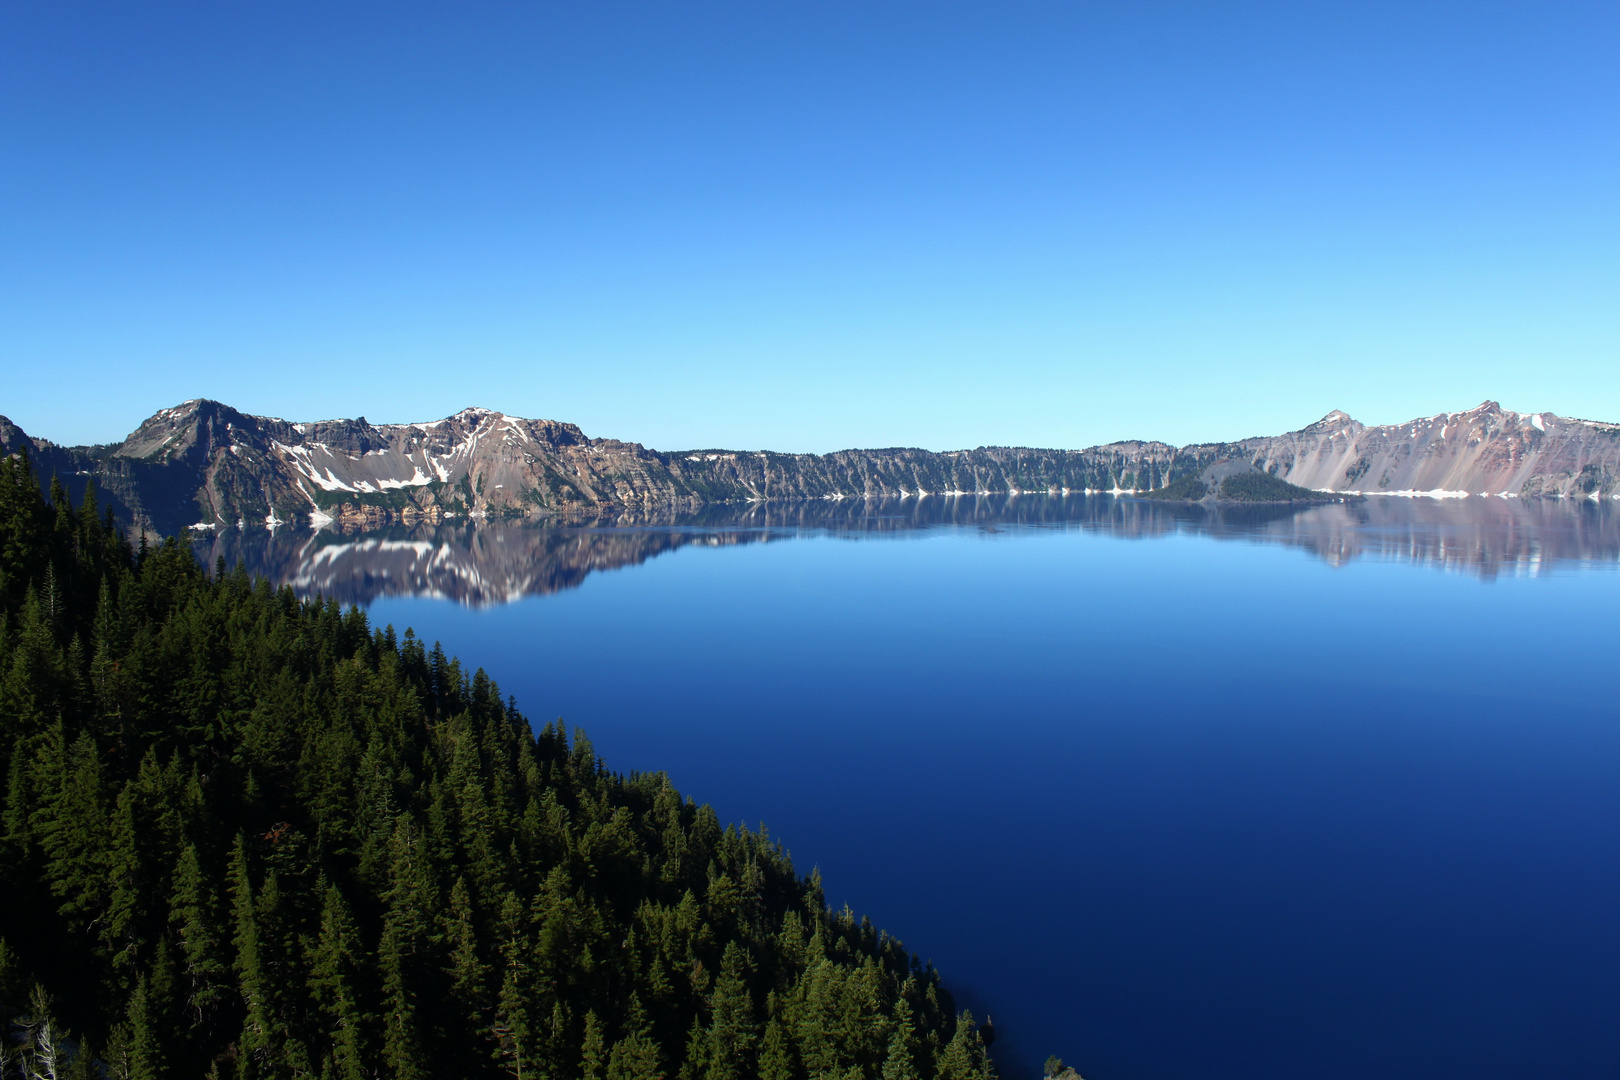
(496, 562)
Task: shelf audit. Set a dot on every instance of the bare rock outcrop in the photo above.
(204, 465)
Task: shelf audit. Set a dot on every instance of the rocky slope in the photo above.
(205, 465)
(1484, 451)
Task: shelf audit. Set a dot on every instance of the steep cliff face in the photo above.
(205, 465)
(14, 440)
(1484, 451)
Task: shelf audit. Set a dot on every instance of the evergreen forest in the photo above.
(251, 836)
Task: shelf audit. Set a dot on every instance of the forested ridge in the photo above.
(251, 836)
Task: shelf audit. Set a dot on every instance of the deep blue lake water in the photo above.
(1171, 794)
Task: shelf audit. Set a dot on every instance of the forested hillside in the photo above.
(249, 836)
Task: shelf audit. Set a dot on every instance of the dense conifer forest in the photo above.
(251, 836)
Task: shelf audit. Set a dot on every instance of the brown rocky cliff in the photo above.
(204, 464)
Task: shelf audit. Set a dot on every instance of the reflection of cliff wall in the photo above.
(474, 565)
(496, 563)
(500, 561)
(1484, 537)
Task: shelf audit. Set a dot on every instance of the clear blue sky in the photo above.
(810, 225)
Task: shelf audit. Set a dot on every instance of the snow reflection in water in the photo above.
(497, 562)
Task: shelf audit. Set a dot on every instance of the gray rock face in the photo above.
(1484, 451)
(205, 465)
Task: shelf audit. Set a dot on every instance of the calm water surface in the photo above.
(1171, 794)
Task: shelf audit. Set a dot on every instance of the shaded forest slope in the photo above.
(249, 836)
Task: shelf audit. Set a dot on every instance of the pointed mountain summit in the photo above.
(1338, 418)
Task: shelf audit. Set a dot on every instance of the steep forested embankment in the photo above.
(249, 836)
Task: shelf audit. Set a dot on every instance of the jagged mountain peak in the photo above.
(187, 428)
(472, 414)
(177, 429)
(1338, 418)
(260, 467)
(14, 438)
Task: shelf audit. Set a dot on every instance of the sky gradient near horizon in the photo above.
(811, 226)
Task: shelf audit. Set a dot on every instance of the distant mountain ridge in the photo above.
(203, 464)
